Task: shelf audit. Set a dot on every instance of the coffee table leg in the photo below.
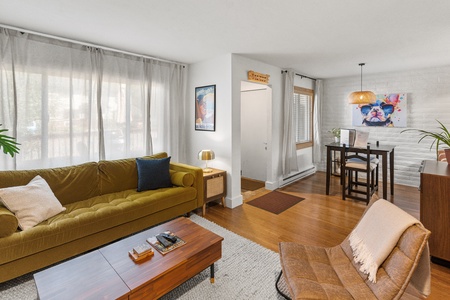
(211, 268)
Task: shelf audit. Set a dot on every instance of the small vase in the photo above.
(447, 155)
(337, 139)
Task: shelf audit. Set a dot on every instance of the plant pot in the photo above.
(337, 139)
(447, 155)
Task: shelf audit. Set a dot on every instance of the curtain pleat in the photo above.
(97, 72)
(68, 103)
(317, 146)
(289, 150)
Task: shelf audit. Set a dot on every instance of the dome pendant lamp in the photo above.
(362, 97)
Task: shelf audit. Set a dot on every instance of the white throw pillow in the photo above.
(31, 203)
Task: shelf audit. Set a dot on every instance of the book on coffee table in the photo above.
(140, 252)
(161, 248)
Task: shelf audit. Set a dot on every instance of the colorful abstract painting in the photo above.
(389, 111)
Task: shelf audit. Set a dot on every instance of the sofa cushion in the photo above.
(90, 216)
(184, 179)
(121, 174)
(8, 222)
(69, 184)
(31, 203)
(153, 173)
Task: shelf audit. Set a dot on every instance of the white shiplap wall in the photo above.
(428, 93)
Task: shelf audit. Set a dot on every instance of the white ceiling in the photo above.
(319, 38)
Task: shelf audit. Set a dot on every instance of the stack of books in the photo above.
(141, 252)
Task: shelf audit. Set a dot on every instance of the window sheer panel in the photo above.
(53, 101)
(167, 107)
(123, 106)
(68, 104)
(7, 106)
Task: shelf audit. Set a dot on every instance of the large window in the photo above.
(303, 117)
(67, 103)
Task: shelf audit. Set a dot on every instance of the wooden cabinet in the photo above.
(435, 207)
(215, 187)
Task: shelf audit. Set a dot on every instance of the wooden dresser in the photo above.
(435, 207)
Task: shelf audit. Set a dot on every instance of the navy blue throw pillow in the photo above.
(153, 173)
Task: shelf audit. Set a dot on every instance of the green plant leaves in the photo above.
(442, 137)
(8, 143)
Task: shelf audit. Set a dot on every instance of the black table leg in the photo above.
(385, 162)
(211, 268)
(391, 162)
(328, 171)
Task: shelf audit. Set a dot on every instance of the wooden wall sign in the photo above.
(258, 77)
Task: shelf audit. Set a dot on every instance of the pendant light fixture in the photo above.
(362, 97)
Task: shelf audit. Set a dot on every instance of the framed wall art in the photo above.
(390, 110)
(205, 108)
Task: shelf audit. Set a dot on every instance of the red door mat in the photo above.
(275, 202)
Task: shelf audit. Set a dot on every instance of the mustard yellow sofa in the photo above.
(102, 205)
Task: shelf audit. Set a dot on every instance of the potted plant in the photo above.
(8, 143)
(336, 132)
(442, 137)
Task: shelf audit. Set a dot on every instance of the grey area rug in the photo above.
(245, 271)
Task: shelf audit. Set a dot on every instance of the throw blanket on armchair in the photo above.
(385, 222)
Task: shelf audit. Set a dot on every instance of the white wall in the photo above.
(241, 65)
(428, 93)
(215, 71)
(227, 72)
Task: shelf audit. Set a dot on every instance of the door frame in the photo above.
(269, 122)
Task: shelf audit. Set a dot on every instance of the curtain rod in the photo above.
(89, 44)
(302, 76)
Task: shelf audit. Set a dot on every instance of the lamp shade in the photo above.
(206, 155)
(362, 97)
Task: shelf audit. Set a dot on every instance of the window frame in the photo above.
(310, 93)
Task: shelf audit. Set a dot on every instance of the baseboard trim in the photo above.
(295, 177)
(234, 202)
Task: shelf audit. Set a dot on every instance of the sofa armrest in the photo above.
(198, 178)
(8, 222)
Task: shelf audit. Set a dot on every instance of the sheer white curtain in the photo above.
(167, 109)
(317, 146)
(67, 103)
(289, 150)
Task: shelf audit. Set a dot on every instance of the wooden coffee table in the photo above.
(109, 273)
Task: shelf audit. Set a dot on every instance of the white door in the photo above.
(255, 109)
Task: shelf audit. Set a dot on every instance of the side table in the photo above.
(215, 187)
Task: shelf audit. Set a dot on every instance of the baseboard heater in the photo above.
(297, 176)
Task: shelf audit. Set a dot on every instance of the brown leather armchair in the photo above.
(312, 272)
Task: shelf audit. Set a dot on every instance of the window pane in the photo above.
(302, 118)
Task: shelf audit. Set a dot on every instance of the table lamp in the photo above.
(206, 155)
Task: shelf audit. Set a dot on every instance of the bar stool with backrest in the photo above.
(354, 163)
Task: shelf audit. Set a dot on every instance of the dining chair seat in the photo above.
(361, 164)
(351, 165)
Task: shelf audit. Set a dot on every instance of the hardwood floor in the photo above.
(318, 220)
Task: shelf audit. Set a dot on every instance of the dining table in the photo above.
(386, 152)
